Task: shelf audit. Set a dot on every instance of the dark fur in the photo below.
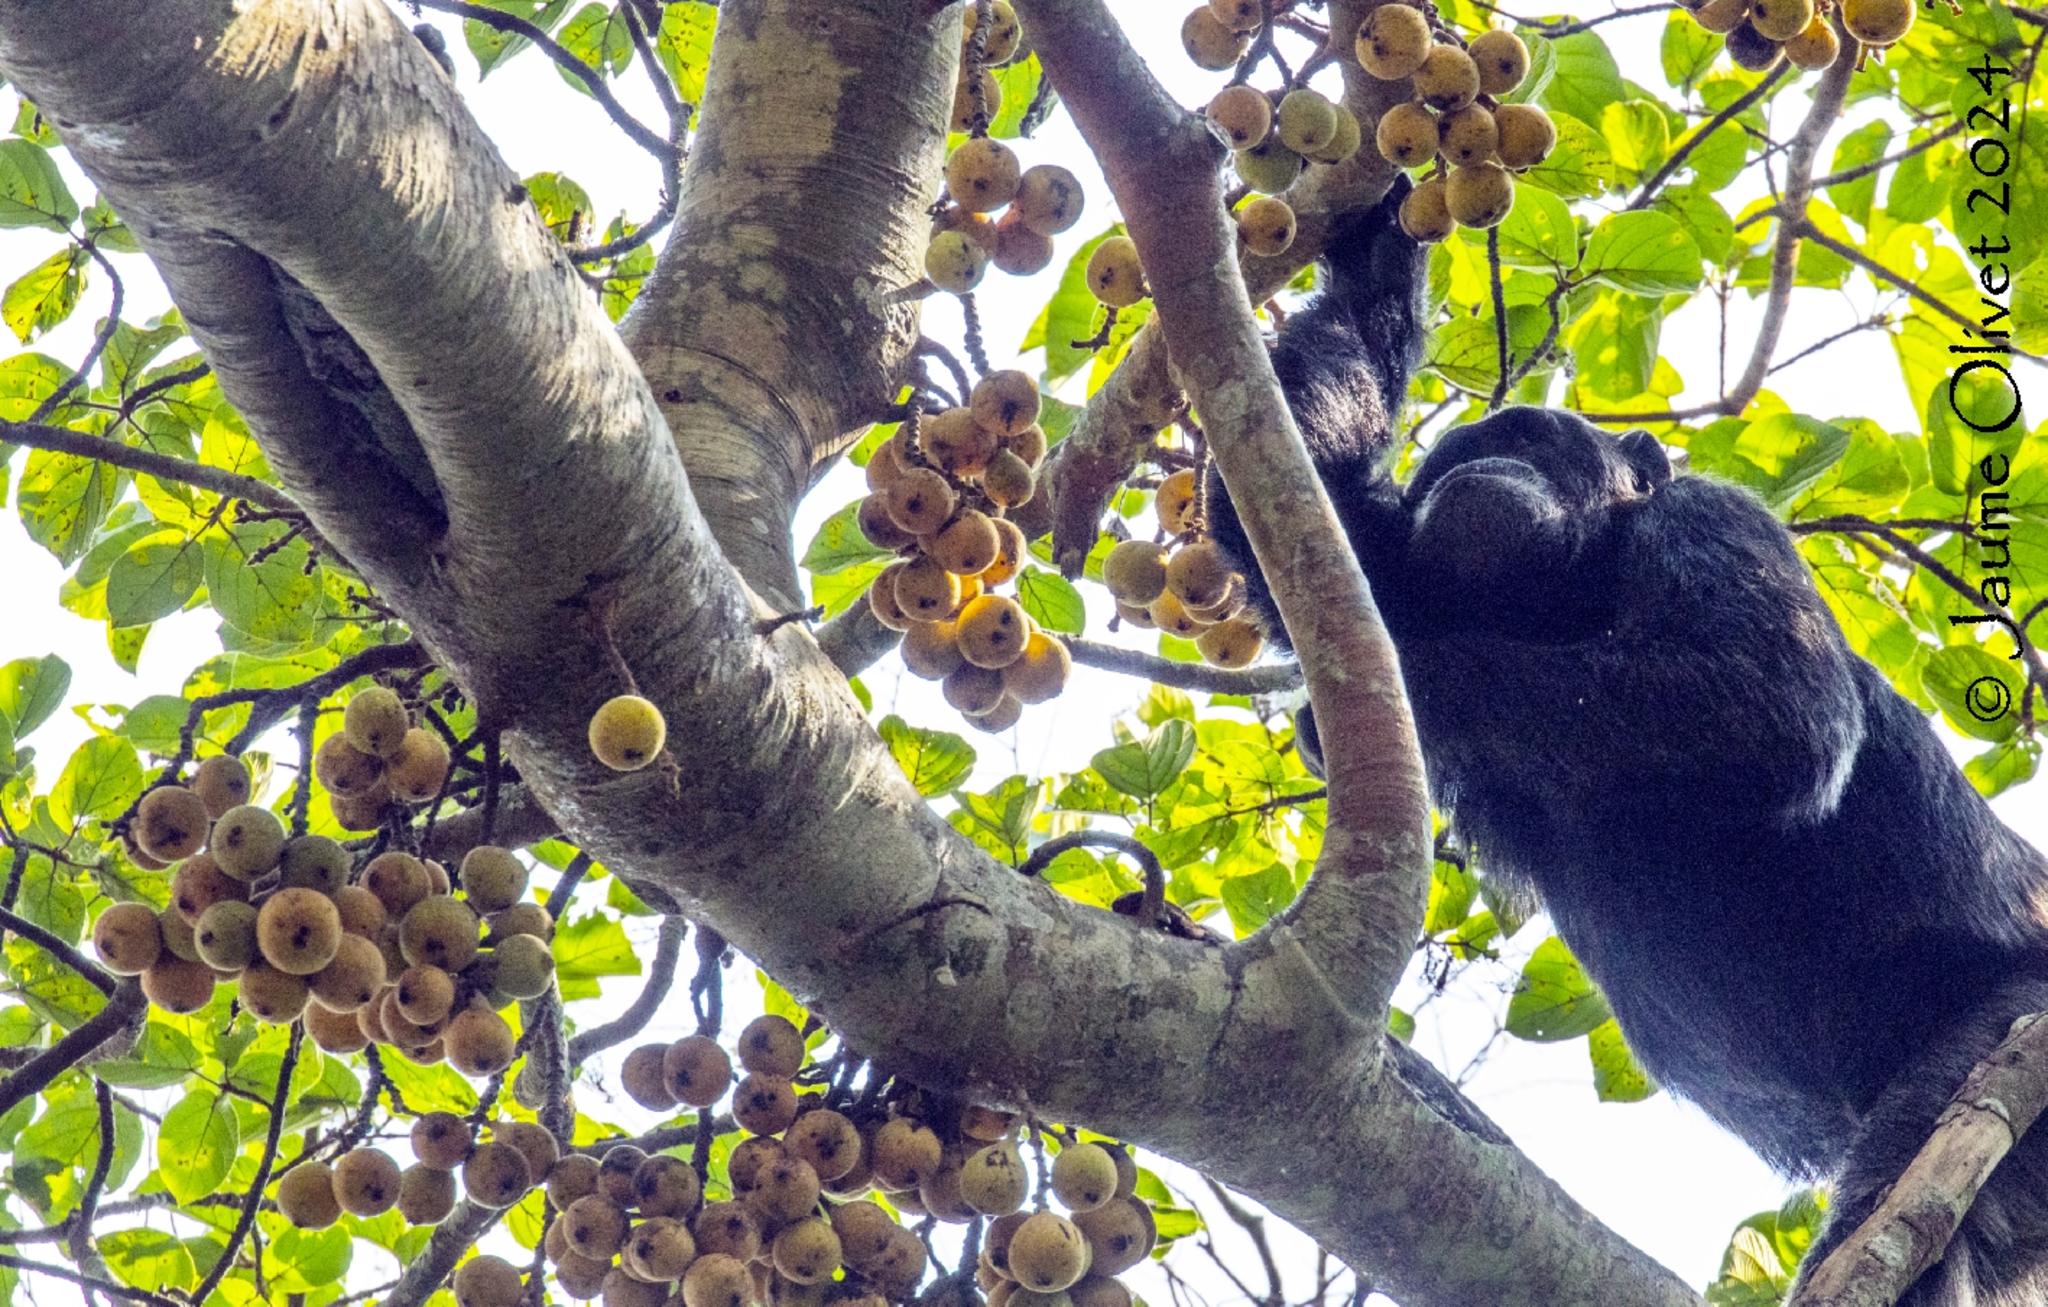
(1634, 700)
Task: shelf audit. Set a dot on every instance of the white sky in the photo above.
(1657, 1172)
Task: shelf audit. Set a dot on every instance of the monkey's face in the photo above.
(1503, 508)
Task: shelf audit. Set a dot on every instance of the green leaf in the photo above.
(1780, 457)
(1143, 769)
(1687, 49)
(196, 1145)
(1580, 165)
(162, 1057)
(26, 380)
(1019, 83)
(32, 192)
(1866, 144)
(154, 579)
(1052, 601)
(274, 600)
(1974, 689)
(562, 204)
(839, 543)
(935, 761)
(149, 1259)
(44, 296)
(1645, 253)
(306, 1261)
(1542, 67)
(1617, 1076)
(1555, 999)
(1254, 900)
(1452, 890)
(1538, 232)
(1587, 80)
(493, 47)
(30, 690)
(589, 947)
(596, 35)
(63, 499)
(1005, 812)
(838, 591)
(684, 46)
(1637, 135)
(102, 778)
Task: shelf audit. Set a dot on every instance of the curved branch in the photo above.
(661, 973)
(1112, 434)
(254, 1199)
(88, 970)
(1732, 110)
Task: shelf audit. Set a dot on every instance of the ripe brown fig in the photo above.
(352, 978)
(982, 175)
(419, 769)
(298, 931)
(932, 649)
(1049, 199)
(439, 931)
(1751, 49)
(1199, 575)
(1048, 1253)
(1084, 1177)
(128, 938)
(170, 823)
(696, 1070)
(492, 878)
(1243, 114)
(666, 1186)
(764, 1105)
(1175, 502)
(595, 1227)
(1114, 273)
(1040, 672)
(807, 1252)
(176, 985)
(479, 1043)
(222, 783)
(973, 690)
(993, 629)
(344, 769)
(425, 1195)
(1135, 570)
(717, 1280)
(1393, 42)
(1479, 194)
(640, 1076)
(826, 1140)
(1266, 225)
(660, 1249)
(1816, 47)
(198, 884)
(904, 1152)
(375, 722)
(1469, 135)
(1448, 79)
(1878, 22)
(1210, 44)
(772, 1046)
(726, 1228)
(305, 1196)
(1527, 136)
(1503, 60)
(496, 1174)
(487, 1281)
(967, 545)
(366, 1182)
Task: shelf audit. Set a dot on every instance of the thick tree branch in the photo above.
(573, 559)
(770, 332)
(1912, 1226)
(1114, 432)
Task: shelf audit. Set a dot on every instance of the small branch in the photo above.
(644, 136)
(1500, 319)
(99, 344)
(87, 1282)
(106, 449)
(518, 822)
(1254, 1227)
(1733, 109)
(661, 975)
(1879, 272)
(254, 1200)
(1878, 165)
(125, 1005)
(572, 876)
(1911, 1228)
(89, 970)
(1155, 875)
(1273, 678)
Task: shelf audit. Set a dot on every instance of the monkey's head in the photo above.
(1504, 507)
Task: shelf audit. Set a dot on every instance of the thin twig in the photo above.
(661, 975)
(254, 1200)
(106, 449)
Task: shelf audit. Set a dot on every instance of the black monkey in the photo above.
(1631, 695)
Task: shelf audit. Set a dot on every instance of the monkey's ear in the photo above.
(1652, 466)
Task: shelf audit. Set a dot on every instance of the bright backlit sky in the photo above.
(1656, 1171)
